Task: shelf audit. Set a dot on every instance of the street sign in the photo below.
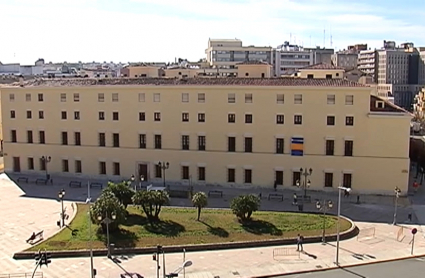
(414, 231)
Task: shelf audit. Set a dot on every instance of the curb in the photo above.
(350, 233)
(338, 267)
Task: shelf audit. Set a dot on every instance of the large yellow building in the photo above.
(228, 131)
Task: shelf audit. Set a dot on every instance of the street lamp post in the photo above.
(132, 178)
(340, 189)
(164, 166)
(305, 183)
(88, 201)
(107, 220)
(325, 206)
(46, 160)
(142, 179)
(397, 193)
(61, 195)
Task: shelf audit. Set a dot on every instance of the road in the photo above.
(405, 268)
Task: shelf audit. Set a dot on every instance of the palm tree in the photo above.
(200, 200)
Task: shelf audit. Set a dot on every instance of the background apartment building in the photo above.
(227, 131)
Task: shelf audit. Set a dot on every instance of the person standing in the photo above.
(300, 240)
(295, 202)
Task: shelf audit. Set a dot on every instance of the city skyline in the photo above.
(162, 30)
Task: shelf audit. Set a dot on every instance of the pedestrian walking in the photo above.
(295, 202)
(300, 240)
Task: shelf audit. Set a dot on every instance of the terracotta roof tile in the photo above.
(322, 66)
(57, 82)
(388, 106)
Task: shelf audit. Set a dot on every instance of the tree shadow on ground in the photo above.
(121, 238)
(167, 228)
(135, 220)
(216, 231)
(260, 227)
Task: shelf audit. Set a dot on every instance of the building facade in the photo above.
(228, 131)
(345, 60)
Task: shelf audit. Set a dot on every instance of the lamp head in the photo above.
(142, 178)
(330, 204)
(301, 170)
(187, 264)
(113, 216)
(132, 178)
(99, 218)
(311, 171)
(318, 205)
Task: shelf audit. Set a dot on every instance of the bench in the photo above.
(96, 184)
(74, 184)
(38, 237)
(25, 179)
(41, 181)
(215, 193)
(275, 196)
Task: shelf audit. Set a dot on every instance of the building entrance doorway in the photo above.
(143, 171)
(16, 164)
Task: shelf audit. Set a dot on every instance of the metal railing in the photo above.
(22, 275)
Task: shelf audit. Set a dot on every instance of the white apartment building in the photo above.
(289, 58)
(366, 61)
(345, 60)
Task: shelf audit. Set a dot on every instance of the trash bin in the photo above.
(300, 207)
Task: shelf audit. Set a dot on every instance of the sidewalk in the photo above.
(244, 262)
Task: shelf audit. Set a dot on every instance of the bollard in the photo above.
(358, 200)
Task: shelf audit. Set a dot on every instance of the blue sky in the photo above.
(160, 30)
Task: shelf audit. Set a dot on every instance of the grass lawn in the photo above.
(179, 226)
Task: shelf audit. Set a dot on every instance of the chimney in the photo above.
(21, 81)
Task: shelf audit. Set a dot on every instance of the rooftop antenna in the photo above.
(290, 37)
(331, 36)
(324, 37)
(310, 40)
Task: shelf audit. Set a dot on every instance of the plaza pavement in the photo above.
(23, 215)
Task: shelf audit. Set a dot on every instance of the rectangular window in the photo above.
(76, 97)
(201, 97)
(185, 117)
(279, 177)
(231, 141)
(248, 118)
(11, 97)
(296, 176)
(231, 118)
(28, 98)
(330, 120)
(279, 145)
(185, 97)
(63, 115)
(298, 119)
(280, 99)
(329, 178)
(64, 138)
(115, 140)
(201, 143)
(185, 173)
(248, 144)
(40, 97)
(158, 141)
(248, 176)
(77, 138)
(231, 98)
(142, 116)
(116, 168)
(101, 97)
(348, 148)
(231, 175)
(349, 121)
(248, 98)
(141, 97)
(298, 99)
(101, 116)
(42, 137)
(102, 139)
(157, 117)
(331, 99)
(76, 115)
(114, 97)
(13, 136)
(29, 137)
(330, 147)
(156, 97)
(115, 116)
(280, 119)
(142, 141)
(102, 167)
(201, 173)
(185, 142)
(349, 99)
(158, 171)
(30, 163)
(63, 97)
(65, 166)
(78, 166)
(347, 180)
(29, 114)
(328, 76)
(12, 114)
(201, 117)
(41, 115)
(310, 76)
